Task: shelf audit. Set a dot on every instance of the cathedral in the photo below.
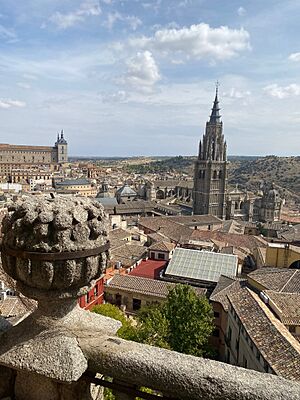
(210, 192)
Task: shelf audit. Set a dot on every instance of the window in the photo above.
(161, 256)
(228, 357)
(216, 333)
(229, 333)
(136, 304)
(237, 345)
(257, 355)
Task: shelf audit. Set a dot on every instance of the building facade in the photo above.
(210, 174)
(13, 156)
(210, 194)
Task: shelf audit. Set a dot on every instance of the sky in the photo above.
(137, 77)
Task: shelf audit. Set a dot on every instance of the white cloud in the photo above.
(282, 92)
(112, 18)
(24, 85)
(198, 41)
(154, 5)
(30, 77)
(87, 9)
(118, 97)
(237, 94)
(134, 22)
(294, 57)
(8, 34)
(241, 11)
(8, 103)
(142, 72)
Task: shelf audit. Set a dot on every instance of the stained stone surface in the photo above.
(62, 224)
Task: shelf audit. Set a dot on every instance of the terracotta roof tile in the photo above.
(276, 344)
(288, 305)
(151, 287)
(162, 246)
(225, 286)
(278, 279)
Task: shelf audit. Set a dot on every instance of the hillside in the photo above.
(283, 171)
(248, 172)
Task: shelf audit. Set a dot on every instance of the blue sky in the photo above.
(131, 77)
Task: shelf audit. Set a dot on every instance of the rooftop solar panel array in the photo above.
(201, 265)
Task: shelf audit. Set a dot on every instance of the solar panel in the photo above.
(201, 265)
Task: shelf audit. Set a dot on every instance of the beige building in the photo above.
(283, 256)
(12, 156)
(82, 187)
(134, 292)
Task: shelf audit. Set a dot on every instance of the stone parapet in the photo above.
(54, 248)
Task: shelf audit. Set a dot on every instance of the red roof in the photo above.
(148, 269)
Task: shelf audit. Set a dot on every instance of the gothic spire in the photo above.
(215, 116)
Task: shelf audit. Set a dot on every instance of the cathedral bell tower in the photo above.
(210, 175)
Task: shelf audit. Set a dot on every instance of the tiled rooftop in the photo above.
(13, 306)
(119, 233)
(127, 253)
(225, 286)
(230, 239)
(136, 284)
(276, 344)
(149, 269)
(278, 279)
(146, 286)
(166, 226)
(288, 305)
(162, 246)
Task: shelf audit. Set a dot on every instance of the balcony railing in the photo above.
(178, 376)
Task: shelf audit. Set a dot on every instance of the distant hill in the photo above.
(283, 171)
(247, 171)
(171, 164)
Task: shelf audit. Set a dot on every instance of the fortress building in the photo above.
(16, 156)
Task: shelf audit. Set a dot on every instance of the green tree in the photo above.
(182, 323)
(127, 330)
(153, 326)
(190, 320)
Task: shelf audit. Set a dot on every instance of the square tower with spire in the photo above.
(210, 175)
(61, 147)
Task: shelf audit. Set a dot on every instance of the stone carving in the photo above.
(54, 248)
(48, 225)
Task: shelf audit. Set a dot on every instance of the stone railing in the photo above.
(55, 248)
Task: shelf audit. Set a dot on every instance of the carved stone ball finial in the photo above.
(54, 247)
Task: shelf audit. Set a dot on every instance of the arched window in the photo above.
(215, 175)
(236, 205)
(220, 174)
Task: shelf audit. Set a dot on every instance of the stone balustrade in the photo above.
(55, 248)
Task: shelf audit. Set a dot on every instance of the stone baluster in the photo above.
(55, 248)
